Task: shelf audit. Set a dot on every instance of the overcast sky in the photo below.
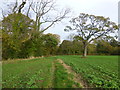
(106, 8)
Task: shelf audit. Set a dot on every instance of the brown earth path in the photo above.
(77, 78)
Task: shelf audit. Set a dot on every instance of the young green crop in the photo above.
(98, 71)
(62, 79)
(36, 73)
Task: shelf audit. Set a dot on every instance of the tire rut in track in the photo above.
(77, 77)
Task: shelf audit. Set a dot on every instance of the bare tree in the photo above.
(44, 12)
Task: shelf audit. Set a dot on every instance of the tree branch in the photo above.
(21, 6)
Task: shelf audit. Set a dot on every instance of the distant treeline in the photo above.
(99, 47)
(20, 39)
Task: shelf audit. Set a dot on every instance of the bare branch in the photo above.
(15, 7)
(43, 10)
(21, 6)
(30, 4)
(2, 13)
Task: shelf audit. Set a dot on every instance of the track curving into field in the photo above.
(77, 77)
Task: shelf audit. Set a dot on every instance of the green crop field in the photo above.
(48, 72)
(98, 71)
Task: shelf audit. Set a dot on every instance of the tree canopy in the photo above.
(90, 28)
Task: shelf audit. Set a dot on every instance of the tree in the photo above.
(44, 12)
(70, 47)
(50, 43)
(65, 47)
(91, 49)
(23, 37)
(104, 48)
(18, 25)
(16, 29)
(107, 45)
(32, 47)
(111, 41)
(90, 28)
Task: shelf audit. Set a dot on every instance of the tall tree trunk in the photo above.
(85, 50)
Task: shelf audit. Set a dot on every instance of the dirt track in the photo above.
(77, 77)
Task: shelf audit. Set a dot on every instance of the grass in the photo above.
(98, 71)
